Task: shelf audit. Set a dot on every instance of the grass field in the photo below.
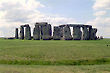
(54, 56)
(54, 69)
(53, 52)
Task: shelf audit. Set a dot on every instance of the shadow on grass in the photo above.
(64, 62)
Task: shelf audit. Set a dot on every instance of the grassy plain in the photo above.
(33, 56)
(54, 52)
(54, 69)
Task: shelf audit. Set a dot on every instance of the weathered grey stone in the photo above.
(93, 34)
(46, 31)
(77, 34)
(43, 31)
(27, 32)
(75, 25)
(50, 30)
(90, 29)
(57, 33)
(85, 33)
(67, 33)
(22, 32)
(16, 34)
(62, 32)
(36, 32)
(41, 23)
(80, 33)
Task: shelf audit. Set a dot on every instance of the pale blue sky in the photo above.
(81, 10)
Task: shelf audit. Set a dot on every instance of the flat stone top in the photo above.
(75, 25)
(26, 25)
(41, 23)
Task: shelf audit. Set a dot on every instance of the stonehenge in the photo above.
(27, 32)
(43, 31)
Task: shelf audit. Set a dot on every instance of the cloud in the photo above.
(100, 13)
(18, 10)
(102, 19)
(101, 4)
(14, 13)
(100, 22)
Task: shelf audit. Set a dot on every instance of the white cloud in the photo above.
(18, 10)
(101, 4)
(14, 13)
(100, 13)
(102, 21)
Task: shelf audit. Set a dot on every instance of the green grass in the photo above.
(32, 56)
(54, 69)
(33, 52)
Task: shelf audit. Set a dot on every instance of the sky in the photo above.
(14, 13)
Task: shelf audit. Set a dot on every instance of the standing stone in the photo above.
(27, 32)
(57, 33)
(90, 29)
(93, 34)
(16, 33)
(50, 30)
(77, 34)
(22, 32)
(36, 32)
(41, 25)
(46, 32)
(85, 33)
(67, 33)
(62, 32)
